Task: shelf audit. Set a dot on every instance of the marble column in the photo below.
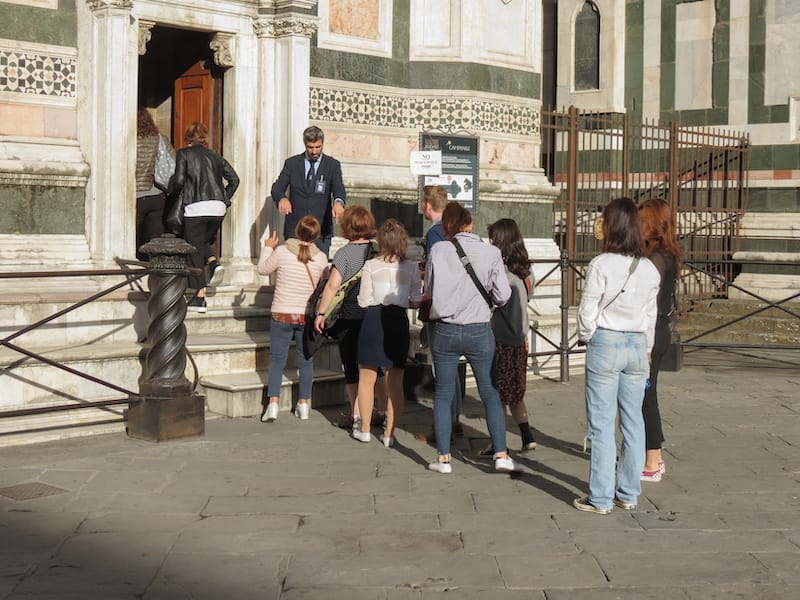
(110, 134)
(284, 50)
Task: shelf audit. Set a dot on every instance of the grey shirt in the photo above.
(455, 297)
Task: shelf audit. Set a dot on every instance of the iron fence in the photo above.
(700, 171)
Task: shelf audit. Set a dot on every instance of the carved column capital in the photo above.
(222, 45)
(284, 26)
(95, 5)
(145, 34)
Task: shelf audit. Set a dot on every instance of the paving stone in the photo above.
(418, 571)
(551, 571)
(713, 568)
(637, 541)
(743, 591)
(293, 505)
(420, 502)
(618, 593)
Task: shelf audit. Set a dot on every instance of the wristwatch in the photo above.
(319, 314)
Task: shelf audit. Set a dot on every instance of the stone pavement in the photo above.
(298, 510)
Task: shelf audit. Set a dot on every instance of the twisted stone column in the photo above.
(165, 363)
(166, 407)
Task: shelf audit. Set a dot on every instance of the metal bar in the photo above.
(62, 312)
(58, 365)
(24, 412)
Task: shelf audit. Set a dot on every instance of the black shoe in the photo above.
(378, 419)
(215, 273)
(487, 452)
(197, 305)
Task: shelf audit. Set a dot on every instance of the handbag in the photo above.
(173, 216)
(424, 310)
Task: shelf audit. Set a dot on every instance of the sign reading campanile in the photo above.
(460, 163)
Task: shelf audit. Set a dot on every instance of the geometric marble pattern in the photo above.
(400, 111)
(36, 73)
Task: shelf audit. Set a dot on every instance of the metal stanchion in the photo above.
(564, 345)
(166, 407)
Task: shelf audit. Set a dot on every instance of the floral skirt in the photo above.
(510, 372)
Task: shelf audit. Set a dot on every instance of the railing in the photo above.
(132, 276)
(700, 171)
(166, 405)
(568, 344)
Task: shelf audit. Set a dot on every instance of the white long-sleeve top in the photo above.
(389, 283)
(635, 309)
(292, 284)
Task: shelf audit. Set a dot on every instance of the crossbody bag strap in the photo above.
(631, 269)
(468, 266)
(310, 278)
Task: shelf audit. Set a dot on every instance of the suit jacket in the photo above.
(316, 199)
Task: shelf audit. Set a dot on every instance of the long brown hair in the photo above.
(392, 241)
(505, 234)
(455, 218)
(145, 127)
(307, 232)
(658, 229)
(622, 229)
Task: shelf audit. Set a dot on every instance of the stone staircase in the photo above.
(106, 338)
(770, 327)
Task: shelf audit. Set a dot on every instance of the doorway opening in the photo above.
(180, 84)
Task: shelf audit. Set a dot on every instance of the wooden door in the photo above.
(197, 98)
(192, 101)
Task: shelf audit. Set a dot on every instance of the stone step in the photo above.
(122, 315)
(244, 394)
(769, 327)
(27, 383)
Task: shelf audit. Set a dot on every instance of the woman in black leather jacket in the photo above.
(200, 176)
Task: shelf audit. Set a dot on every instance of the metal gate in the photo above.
(700, 171)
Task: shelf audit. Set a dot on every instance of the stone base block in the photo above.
(160, 419)
(244, 394)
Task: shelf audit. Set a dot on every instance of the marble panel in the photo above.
(21, 119)
(361, 26)
(782, 48)
(692, 81)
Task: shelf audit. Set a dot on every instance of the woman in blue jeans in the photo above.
(616, 321)
(299, 265)
(461, 321)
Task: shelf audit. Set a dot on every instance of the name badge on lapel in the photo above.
(319, 186)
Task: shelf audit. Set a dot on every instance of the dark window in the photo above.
(587, 48)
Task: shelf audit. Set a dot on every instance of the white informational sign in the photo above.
(426, 162)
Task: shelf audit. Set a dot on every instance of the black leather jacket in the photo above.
(199, 174)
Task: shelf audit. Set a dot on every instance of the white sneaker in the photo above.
(387, 441)
(271, 413)
(301, 411)
(362, 436)
(440, 467)
(505, 465)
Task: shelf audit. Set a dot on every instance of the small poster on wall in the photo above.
(459, 173)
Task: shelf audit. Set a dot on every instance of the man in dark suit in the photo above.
(315, 188)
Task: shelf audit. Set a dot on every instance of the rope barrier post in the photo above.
(166, 407)
(564, 345)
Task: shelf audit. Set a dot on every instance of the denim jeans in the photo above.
(476, 343)
(457, 399)
(616, 370)
(280, 335)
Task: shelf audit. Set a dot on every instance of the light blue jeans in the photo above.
(616, 370)
(476, 343)
(280, 335)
